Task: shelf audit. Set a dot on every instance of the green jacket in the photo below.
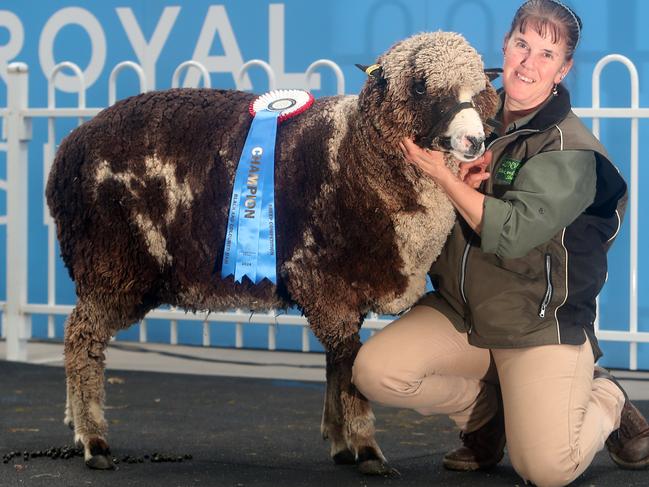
(554, 204)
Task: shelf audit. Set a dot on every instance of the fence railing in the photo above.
(3, 183)
(633, 336)
(18, 116)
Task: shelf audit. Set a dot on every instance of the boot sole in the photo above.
(459, 466)
(639, 465)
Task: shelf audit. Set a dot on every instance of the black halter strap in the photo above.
(448, 116)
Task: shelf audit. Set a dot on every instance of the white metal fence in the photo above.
(18, 116)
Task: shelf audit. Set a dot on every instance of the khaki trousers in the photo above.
(556, 416)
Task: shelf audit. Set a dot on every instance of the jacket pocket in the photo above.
(547, 297)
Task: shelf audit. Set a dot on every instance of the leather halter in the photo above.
(445, 142)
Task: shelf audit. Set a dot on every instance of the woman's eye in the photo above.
(420, 87)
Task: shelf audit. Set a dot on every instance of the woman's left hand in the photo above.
(430, 161)
(474, 173)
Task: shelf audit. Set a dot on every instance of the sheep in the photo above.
(140, 197)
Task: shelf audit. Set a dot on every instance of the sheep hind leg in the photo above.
(86, 336)
(348, 413)
(68, 420)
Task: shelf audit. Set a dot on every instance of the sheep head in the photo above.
(431, 87)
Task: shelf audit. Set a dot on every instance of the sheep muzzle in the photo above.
(464, 137)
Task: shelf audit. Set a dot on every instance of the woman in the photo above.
(506, 342)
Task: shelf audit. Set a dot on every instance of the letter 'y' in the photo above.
(148, 54)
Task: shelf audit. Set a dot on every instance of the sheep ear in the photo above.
(375, 70)
(492, 73)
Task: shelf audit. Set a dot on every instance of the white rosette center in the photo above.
(287, 103)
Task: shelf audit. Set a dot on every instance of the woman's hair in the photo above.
(549, 17)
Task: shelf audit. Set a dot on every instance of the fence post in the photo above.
(18, 134)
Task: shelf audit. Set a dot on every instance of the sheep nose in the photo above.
(476, 143)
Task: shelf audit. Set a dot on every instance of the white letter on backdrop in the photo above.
(276, 53)
(12, 23)
(148, 53)
(83, 18)
(217, 22)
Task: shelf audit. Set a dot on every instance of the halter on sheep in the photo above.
(140, 196)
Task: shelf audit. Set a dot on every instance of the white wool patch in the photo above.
(178, 195)
(420, 238)
(303, 253)
(155, 241)
(340, 114)
(308, 239)
(104, 172)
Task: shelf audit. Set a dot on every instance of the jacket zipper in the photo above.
(548, 289)
(465, 257)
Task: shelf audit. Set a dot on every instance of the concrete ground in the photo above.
(247, 418)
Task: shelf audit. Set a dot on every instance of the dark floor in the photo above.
(240, 432)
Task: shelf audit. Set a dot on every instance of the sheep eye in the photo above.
(420, 87)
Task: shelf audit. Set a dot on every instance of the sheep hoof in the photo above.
(98, 455)
(370, 462)
(344, 457)
(100, 462)
(378, 467)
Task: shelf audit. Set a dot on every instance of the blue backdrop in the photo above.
(290, 35)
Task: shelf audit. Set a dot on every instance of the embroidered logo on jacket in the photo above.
(507, 170)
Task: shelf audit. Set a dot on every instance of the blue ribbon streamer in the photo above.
(250, 244)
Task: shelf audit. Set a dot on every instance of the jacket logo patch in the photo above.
(507, 170)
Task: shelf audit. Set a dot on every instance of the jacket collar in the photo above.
(551, 112)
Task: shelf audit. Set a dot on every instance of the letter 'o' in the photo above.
(89, 23)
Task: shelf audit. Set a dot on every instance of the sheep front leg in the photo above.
(348, 420)
(86, 338)
(332, 417)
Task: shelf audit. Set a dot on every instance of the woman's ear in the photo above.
(505, 41)
(563, 72)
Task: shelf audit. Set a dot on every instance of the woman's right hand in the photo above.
(431, 162)
(474, 173)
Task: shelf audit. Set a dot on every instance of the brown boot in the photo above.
(481, 449)
(628, 445)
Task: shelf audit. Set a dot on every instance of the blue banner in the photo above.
(250, 237)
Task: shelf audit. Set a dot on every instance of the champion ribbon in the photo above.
(250, 248)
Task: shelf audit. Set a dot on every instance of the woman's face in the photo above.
(532, 65)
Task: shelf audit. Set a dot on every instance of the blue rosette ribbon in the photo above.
(251, 242)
